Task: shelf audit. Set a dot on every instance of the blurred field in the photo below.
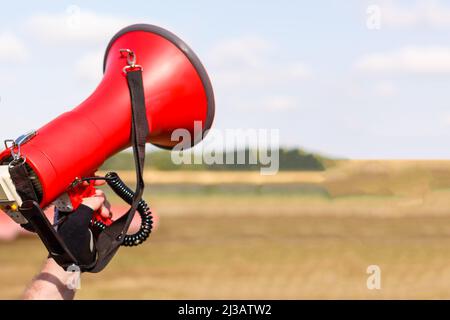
(295, 236)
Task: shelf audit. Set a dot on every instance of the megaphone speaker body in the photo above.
(178, 93)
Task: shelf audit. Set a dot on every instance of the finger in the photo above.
(96, 182)
(105, 212)
(107, 204)
(94, 202)
(99, 193)
(99, 182)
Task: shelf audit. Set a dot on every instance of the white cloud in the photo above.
(354, 88)
(422, 60)
(75, 26)
(12, 49)
(89, 67)
(252, 62)
(297, 70)
(244, 51)
(445, 119)
(280, 103)
(384, 89)
(252, 73)
(416, 14)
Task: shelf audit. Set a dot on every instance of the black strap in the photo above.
(19, 175)
(21, 179)
(37, 221)
(55, 245)
(110, 239)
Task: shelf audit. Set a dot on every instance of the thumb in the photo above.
(96, 201)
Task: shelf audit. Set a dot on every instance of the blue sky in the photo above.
(312, 69)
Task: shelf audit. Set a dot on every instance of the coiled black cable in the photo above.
(124, 192)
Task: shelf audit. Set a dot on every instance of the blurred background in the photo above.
(359, 93)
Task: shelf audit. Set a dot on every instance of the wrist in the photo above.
(56, 270)
(53, 282)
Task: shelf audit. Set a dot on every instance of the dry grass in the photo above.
(269, 257)
(281, 243)
(224, 177)
(388, 177)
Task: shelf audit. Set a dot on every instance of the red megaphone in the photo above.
(178, 93)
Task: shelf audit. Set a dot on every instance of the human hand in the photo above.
(98, 201)
(75, 228)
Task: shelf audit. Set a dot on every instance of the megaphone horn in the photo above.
(178, 93)
(172, 90)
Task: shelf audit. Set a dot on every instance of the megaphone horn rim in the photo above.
(187, 51)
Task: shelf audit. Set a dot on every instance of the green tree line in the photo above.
(289, 159)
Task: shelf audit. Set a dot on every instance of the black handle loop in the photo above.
(110, 239)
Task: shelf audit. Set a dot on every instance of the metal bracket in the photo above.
(14, 145)
(131, 60)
